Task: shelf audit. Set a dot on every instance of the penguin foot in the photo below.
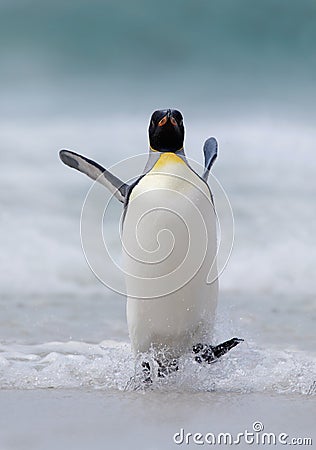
(146, 370)
(210, 353)
(166, 367)
(142, 378)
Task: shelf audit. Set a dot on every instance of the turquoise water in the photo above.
(104, 56)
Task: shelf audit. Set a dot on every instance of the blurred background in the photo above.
(87, 76)
(115, 57)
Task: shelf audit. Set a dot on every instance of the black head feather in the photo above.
(166, 130)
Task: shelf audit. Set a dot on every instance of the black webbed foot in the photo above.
(166, 367)
(146, 370)
(211, 353)
(142, 377)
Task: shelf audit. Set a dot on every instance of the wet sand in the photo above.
(82, 419)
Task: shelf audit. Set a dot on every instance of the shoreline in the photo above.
(82, 418)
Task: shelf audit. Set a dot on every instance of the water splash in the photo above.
(110, 365)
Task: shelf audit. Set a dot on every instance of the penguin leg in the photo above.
(141, 379)
(210, 353)
(166, 367)
(203, 353)
(146, 371)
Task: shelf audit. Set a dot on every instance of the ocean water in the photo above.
(83, 77)
(64, 331)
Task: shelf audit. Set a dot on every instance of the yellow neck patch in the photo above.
(168, 158)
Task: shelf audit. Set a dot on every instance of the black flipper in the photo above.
(117, 187)
(209, 353)
(210, 155)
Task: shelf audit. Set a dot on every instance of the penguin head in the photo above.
(166, 130)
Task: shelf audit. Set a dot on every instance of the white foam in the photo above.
(110, 365)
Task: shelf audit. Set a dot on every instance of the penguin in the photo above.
(169, 248)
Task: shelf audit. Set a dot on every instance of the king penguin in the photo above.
(169, 247)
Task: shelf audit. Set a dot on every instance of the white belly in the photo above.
(169, 248)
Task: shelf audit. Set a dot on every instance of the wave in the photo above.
(110, 365)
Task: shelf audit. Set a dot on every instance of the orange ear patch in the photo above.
(162, 121)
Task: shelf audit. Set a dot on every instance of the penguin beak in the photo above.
(165, 119)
